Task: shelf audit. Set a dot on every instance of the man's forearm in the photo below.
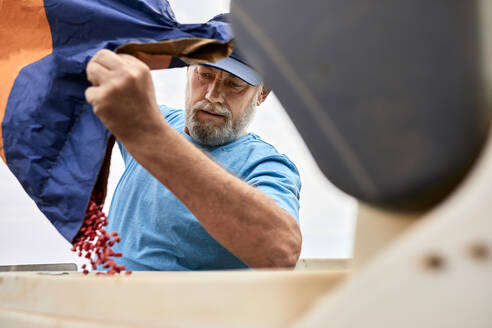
(241, 218)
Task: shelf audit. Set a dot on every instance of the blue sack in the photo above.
(50, 138)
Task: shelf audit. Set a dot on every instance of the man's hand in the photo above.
(122, 94)
(241, 218)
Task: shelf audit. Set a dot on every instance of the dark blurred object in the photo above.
(386, 94)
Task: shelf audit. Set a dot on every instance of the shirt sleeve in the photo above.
(278, 178)
(124, 153)
(170, 114)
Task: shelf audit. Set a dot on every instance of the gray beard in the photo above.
(207, 133)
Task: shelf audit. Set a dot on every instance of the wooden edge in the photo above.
(245, 298)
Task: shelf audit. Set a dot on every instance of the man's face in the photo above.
(219, 106)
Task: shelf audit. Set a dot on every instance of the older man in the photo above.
(198, 191)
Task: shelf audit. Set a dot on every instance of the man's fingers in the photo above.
(96, 73)
(92, 95)
(104, 63)
(132, 61)
(107, 59)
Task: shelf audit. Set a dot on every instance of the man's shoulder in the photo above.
(262, 147)
(273, 173)
(259, 151)
(171, 113)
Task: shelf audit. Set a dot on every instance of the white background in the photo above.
(327, 215)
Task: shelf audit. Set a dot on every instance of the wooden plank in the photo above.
(324, 264)
(176, 299)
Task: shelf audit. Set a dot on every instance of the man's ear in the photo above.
(263, 95)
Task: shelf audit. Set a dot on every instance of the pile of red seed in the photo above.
(94, 243)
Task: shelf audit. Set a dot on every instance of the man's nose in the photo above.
(215, 92)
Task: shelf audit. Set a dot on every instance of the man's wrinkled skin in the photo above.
(241, 218)
(228, 120)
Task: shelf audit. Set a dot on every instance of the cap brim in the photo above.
(236, 68)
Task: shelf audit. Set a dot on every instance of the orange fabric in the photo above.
(26, 38)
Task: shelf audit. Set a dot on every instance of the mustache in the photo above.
(212, 108)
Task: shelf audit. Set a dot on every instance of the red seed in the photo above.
(128, 272)
(95, 241)
(86, 272)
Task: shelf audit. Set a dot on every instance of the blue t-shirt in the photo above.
(159, 233)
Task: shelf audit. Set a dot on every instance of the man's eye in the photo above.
(234, 84)
(205, 75)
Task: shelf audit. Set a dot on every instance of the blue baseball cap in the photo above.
(235, 63)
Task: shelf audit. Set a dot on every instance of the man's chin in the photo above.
(209, 136)
(209, 131)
